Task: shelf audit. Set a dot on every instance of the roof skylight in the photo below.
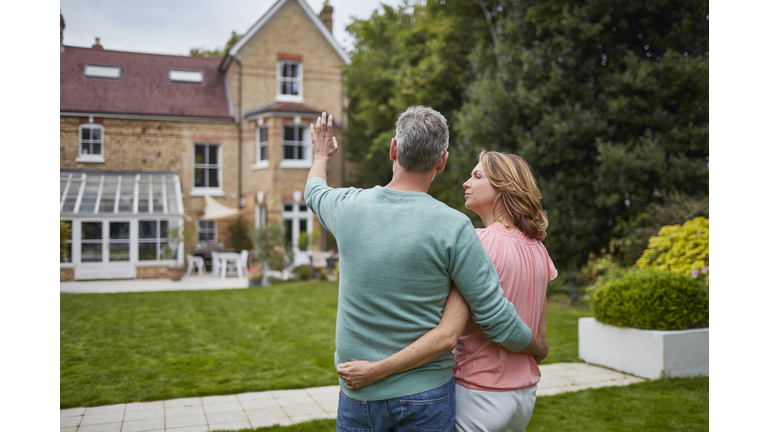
(101, 71)
(189, 76)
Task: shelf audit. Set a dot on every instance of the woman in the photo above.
(495, 388)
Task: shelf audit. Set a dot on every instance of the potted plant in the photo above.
(174, 237)
(255, 274)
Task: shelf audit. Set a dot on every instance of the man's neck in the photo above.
(408, 182)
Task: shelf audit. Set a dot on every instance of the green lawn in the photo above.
(680, 405)
(132, 347)
(162, 345)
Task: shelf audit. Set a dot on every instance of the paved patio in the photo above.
(191, 282)
(283, 407)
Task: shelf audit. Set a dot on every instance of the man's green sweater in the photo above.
(399, 252)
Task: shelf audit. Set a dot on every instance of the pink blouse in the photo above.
(524, 269)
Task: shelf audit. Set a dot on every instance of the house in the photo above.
(150, 142)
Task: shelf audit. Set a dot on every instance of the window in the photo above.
(119, 241)
(91, 143)
(66, 254)
(262, 147)
(296, 219)
(91, 236)
(208, 169)
(101, 71)
(206, 231)
(152, 235)
(289, 81)
(296, 150)
(185, 76)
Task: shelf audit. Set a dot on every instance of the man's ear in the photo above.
(393, 150)
(443, 160)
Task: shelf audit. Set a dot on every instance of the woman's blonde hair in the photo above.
(519, 195)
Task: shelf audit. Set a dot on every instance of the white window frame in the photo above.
(212, 191)
(158, 241)
(306, 162)
(260, 163)
(97, 158)
(207, 230)
(280, 97)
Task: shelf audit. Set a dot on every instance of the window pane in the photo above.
(199, 154)
(157, 199)
(86, 149)
(287, 233)
(147, 229)
(294, 88)
(119, 230)
(302, 225)
(285, 69)
(294, 70)
(264, 153)
(90, 193)
(127, 190)
(170, 195)
(147, 251)
(285, 88)
(302, 207)
(289, 133)
(107, 204)
(163, 228)
(300, 152)
(91, 231)
(71, 199)
(96, 148)
(85, 133)
(96, 134)
(143, 195)
(199, 177)
(119, 251)
(91, 252)
(213, 177)
(213, 155)
(287, 152)
(262, 134)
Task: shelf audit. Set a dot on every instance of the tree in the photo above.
(608, 101)
(269, 246)
(412, 55)
(201, 51)
(238, 235)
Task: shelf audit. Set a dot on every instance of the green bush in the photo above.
(653, 300)
(238, 235)
(304, 271)
(678, 249)
(599, 271)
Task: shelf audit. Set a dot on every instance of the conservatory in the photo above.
(119, 221)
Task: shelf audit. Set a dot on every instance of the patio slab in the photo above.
(192, 282)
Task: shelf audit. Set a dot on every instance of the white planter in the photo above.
(645, 353)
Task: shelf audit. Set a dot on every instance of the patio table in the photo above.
(226, 257)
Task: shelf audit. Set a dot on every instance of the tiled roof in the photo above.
(286, 107)
(143, 88)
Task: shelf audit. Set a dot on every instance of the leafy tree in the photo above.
(609, 102)
(410, 55)
(201, 51)
(269, 246)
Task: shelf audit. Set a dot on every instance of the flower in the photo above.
(695, 273)
(705, 269)
(254, 271)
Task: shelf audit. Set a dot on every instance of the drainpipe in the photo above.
(239, 132)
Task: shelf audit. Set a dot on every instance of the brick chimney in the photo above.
(97, 45)
(326, 16)
(61, 33)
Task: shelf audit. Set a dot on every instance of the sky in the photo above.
(174, 26)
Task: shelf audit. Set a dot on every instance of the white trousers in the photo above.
(484, 411)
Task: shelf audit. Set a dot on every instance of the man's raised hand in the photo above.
(323, 142)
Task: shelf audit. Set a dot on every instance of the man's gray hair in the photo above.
(422, 138)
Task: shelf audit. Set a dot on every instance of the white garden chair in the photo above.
(195, 261)
(215, 262)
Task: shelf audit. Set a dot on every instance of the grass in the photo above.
(680, 405)
(131, 347)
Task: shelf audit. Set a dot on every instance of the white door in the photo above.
(105, 250)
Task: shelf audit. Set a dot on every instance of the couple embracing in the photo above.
(418, 281)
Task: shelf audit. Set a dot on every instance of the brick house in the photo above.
(148, 141)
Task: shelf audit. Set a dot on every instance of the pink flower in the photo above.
(705, 270)
(695, 273)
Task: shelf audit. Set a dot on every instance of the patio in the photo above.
(191, 282)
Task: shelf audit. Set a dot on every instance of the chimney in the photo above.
(97, 45)
(61, 42)
(326, 16)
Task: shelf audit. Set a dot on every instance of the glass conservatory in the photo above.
(119, 221)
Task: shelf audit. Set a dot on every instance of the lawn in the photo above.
(680, 405)
(132, 347)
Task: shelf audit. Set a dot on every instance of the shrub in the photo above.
(303, 272)
(653, 300)
(599, 271)
(678, 249)
(238, 235)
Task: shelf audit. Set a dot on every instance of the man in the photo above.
(400, 252)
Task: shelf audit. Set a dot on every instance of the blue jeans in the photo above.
(429, 411)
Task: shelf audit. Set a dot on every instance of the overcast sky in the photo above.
(174, 26)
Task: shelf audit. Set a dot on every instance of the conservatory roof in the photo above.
(125, 193)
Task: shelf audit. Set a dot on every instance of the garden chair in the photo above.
(215, 262)
(232, 267)
(195, 261)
